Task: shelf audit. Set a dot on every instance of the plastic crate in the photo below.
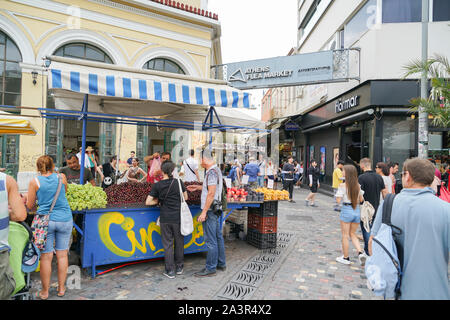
(267, 209)
(261, 240)
(262, 224)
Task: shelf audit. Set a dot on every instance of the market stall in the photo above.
(124, 231)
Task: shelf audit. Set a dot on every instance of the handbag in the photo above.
(39, 226)
(367, 213)
(186, 221)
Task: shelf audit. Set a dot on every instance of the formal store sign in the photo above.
(345, 104)
(280, 71)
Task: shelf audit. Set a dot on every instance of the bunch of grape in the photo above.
(194, 198)
(86, 196)
(128, 193)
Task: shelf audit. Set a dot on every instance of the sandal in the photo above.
(61, 294)
(37, 296)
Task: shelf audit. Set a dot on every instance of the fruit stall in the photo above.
(115, 226)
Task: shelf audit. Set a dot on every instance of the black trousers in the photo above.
(289, 186)
(173, 243)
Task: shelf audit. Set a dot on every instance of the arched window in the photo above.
(162, 64)
(83, 51)
(10, 72)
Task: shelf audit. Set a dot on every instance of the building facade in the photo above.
(172, 36)
(367, 116)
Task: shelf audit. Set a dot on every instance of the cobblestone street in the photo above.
(303, 267)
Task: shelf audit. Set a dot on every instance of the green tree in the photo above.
(438, 103)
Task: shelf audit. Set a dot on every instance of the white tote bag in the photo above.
(187, 223)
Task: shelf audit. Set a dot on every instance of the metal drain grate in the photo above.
(245, 283)
(236, 291)
(248, 278)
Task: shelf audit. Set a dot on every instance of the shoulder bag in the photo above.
(187, 223)
(39, 226)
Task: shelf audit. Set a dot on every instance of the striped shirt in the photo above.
(4, 213)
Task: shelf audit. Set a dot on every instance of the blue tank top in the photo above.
(45, 194)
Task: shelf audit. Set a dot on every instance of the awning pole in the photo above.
(83, 138)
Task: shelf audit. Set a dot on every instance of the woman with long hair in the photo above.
(44, 189)
(351, 196)
(135, 171)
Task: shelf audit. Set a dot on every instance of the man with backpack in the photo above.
(420, 222)
(212, 206)
(191, 168)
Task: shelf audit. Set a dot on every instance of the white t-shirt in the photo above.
(262, 168)
(388, 183)
(190, 176)
(269, 170)
(342, 193)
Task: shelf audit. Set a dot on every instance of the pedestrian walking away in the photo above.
(191, 168)
(166, 193)
(210, 216)
(46, 189)
(424, 221)
(383, 170)
(337, 180)
(373, 186)
(313, 176)
(288, 183)
(350, 195)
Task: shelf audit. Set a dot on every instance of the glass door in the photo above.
(107, 141)
(142, 145)
(54, 133)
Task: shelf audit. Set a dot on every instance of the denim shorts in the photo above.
(58, 236)
(350, 215)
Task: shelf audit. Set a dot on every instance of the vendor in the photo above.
(135, 172)
(73, 169)
(107, 172)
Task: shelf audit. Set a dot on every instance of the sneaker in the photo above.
(169, 274)
(291, 201)
(313, 205)
(342, 260)
(222, 268)
(306, 202)
(362, 257)
(205, 273)
(179, 270)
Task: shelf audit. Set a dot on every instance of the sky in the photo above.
(256, 29)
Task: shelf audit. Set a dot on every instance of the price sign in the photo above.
(245, 179)
(270, 184)
(228, 182)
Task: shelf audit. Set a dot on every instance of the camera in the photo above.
(216, 207)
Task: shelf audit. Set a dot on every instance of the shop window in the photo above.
(399, 139)
(10, 72)
(441, 10)
(397, 11)
(10, 154)
(142, 145)
(360, 23)
(162, 64)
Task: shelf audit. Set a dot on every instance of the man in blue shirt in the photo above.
(425, 223)
(252, 170)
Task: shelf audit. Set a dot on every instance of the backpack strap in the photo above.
(386, 219)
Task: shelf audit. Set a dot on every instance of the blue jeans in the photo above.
(366, 236)
(261, 181)
(214, 242)
(58, 236)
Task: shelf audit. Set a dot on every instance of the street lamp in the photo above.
(423, 116)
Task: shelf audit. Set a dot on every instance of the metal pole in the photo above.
(83, 138)
(423, 116)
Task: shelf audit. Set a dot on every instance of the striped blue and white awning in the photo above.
(143, 86)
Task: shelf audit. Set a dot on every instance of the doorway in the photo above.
(351, 143)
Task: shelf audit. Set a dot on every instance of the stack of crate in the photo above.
(262, 225)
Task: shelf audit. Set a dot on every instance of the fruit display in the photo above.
(243, 195)
(86, 196)
(128, 193)
(270, 194)
(194, 198)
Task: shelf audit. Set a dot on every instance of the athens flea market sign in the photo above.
(280, 71)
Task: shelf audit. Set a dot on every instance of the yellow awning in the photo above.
(10, 124)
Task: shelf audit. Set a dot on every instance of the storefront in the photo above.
(372, 120)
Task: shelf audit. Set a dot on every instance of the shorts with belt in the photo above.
(313, 188)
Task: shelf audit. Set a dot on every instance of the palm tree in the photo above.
(437, 104)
